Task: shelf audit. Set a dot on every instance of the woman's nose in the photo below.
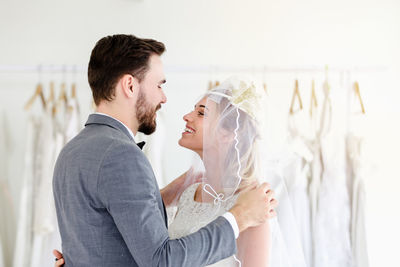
(187, 117)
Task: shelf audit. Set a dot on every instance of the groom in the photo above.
(109, 207)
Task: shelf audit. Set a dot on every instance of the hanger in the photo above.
(314, 102)
(63, 94)
(326, 113)
(296, 94)
(62, 99)
(38, 93)
(52, 99)
(210, 85)
(327, 86)
(73, 86)
(73, 91)
(52, 95)
(357, 91)
(264, 85)
(74, 96)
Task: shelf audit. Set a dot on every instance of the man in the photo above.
(109, 207)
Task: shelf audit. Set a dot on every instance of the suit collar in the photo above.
(109, 121)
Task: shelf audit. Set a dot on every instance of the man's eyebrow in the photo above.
(163, 81)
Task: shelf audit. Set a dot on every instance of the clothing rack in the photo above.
(210, 69)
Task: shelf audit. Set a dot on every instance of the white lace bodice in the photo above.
(192, 215)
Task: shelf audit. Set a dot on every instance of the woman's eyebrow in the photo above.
(203, 106)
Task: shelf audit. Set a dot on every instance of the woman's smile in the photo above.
(189, 130)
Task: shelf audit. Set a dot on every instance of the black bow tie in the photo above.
(141, 144)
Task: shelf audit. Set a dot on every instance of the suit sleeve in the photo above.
(127, 188)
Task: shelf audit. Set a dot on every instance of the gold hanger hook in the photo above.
(296, 94)
(314, 102)
(358, 94)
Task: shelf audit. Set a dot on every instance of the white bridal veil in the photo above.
(235, 154)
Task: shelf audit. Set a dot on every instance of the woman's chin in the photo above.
(184, 143)
(180, 142)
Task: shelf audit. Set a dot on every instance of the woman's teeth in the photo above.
(189, 130)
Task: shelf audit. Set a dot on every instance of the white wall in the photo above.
(235, 33)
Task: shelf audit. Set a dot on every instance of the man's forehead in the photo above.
(155, 61)
(156, 69)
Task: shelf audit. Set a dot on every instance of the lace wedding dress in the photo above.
(192, 215)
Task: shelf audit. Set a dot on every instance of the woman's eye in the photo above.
(200, 113)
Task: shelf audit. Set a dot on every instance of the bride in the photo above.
(226, 129)
(223, 131)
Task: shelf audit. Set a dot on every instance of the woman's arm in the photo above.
(254, 245)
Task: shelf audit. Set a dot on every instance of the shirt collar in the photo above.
(129, 130)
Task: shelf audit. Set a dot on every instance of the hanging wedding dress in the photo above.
(332, 246)
(297, 174)
(45, 232)
(24, 236)
(7, 225)
(56, 131)
(356, 173)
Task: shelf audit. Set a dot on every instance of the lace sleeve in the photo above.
(171, 213)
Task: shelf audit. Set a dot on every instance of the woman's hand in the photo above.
(59, 257)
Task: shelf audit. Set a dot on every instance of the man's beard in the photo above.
(146, 114)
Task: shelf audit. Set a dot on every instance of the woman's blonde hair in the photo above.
(249, 157)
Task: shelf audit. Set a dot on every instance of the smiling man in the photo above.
(109, 207)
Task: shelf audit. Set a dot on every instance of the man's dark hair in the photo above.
(116, 55)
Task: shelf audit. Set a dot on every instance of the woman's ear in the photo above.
(225, 137)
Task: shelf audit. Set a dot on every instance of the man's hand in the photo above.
(254, 206)
(59, 257)
(171, 193)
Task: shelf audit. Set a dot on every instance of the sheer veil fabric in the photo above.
(235, 155)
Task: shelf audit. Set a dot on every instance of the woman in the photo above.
(225, 129)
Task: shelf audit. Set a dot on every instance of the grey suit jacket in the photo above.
(110, 211)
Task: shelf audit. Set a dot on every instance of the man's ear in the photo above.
(129, 85)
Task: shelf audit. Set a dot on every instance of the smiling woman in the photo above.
(225, 129)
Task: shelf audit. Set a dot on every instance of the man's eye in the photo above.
(201, 113)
